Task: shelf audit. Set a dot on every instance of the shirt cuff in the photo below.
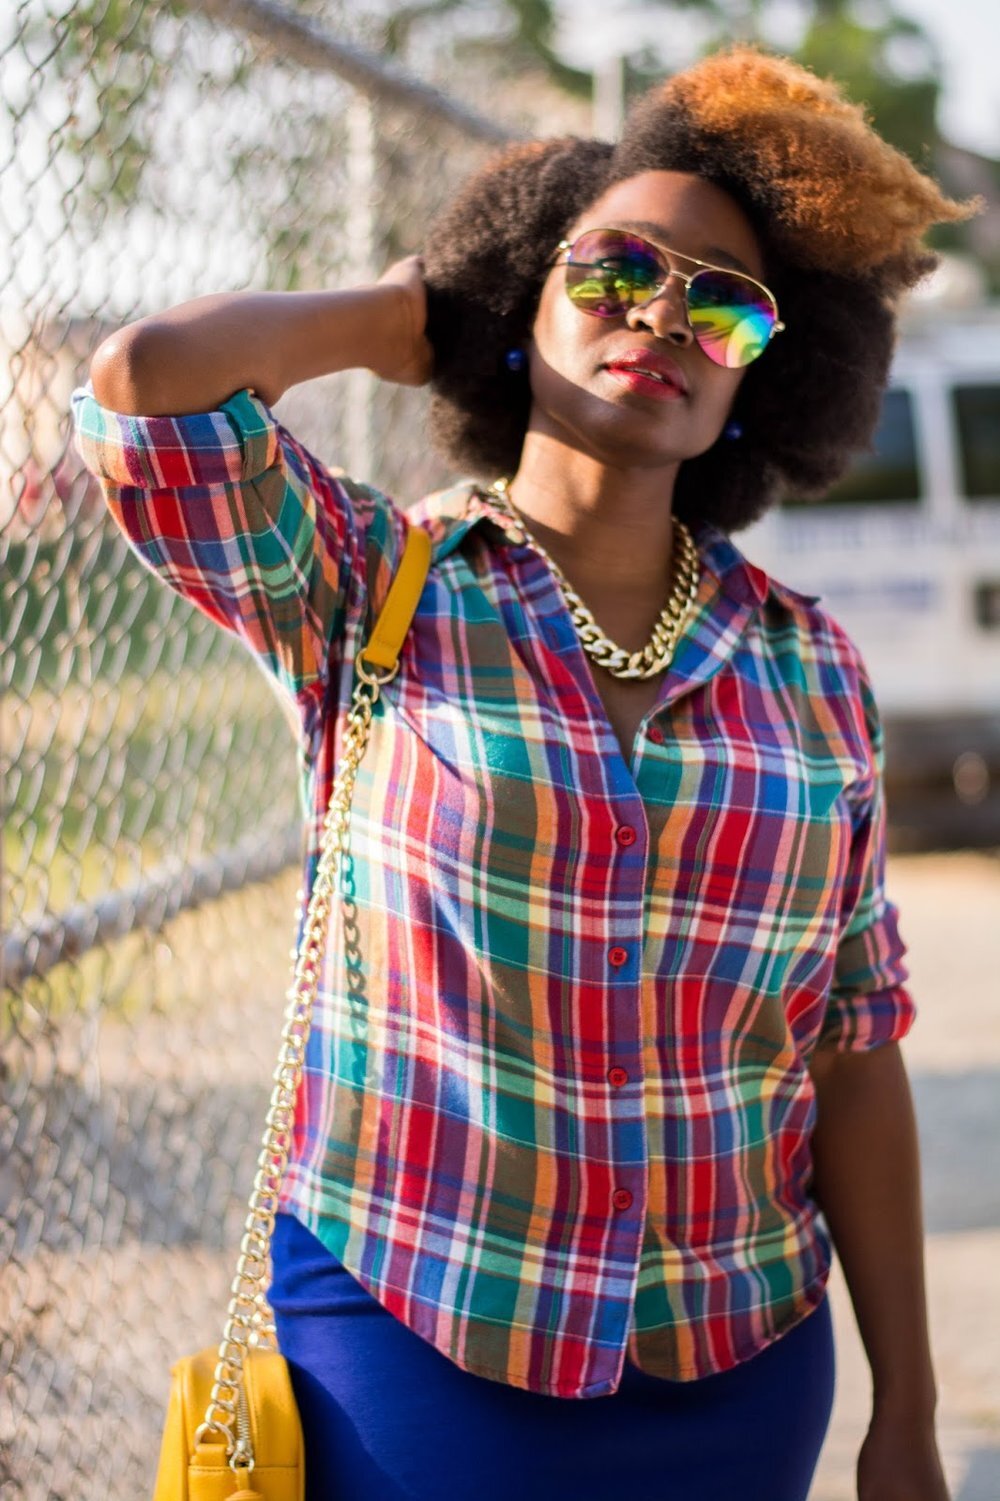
(231, 445)
(857, 1023)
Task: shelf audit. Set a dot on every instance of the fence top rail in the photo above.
(164, 892)
(312, 46)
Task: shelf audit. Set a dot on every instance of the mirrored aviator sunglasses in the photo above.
(732, 316)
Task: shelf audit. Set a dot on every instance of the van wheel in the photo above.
(970, 776)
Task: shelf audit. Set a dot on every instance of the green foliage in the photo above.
(116, 60)
(105, 54)
(866, 60)
(398, 26)
(534, 34)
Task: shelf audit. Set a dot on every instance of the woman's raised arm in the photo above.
(193, 357)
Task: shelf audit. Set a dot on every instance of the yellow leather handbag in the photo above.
(232, 1430)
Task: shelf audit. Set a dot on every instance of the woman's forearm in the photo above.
(195, 356)
(867, 1182)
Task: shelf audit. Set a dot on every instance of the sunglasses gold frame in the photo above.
(659, 251)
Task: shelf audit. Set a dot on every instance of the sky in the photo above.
(967, 33)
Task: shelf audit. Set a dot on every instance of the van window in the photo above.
(977, 419)
(891, 473)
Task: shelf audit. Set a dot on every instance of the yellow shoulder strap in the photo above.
(389, 631)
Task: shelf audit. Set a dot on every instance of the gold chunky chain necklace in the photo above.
(659, 650)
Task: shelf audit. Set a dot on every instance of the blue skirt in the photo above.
(387, 1417)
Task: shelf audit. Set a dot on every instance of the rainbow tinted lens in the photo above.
(732, 316)
(606, 274)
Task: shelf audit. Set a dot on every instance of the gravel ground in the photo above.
(949, 908)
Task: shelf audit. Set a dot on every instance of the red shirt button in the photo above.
(621, 1198)
(618, 956)
(626, 834)
(617, 1076)
(656, 734)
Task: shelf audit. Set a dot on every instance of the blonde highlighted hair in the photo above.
(837, 196)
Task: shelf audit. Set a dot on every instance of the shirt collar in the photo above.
(450, 513)
(736, 574)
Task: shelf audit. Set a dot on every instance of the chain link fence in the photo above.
(152, 151)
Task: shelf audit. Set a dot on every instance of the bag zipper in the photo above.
(243, 1454)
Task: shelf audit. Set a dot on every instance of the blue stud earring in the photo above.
(732, 430)
(515, 360)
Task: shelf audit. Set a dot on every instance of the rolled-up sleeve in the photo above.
(869, 1003)
(235, 515)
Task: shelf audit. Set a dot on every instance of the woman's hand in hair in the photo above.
(408, 357)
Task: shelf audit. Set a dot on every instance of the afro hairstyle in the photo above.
(838, 212)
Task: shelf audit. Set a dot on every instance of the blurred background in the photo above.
(155, 150)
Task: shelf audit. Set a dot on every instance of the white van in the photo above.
(905, 554)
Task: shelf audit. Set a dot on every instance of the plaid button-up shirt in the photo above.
(556, 1107)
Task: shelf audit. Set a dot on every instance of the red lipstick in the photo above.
(650, 372)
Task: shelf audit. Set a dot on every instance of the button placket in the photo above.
(623, 1098)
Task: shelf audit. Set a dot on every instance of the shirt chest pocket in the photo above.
(470, 775)
(469, 734)
(470, 691)
(762, 832)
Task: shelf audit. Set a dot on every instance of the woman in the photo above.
(618, 1013)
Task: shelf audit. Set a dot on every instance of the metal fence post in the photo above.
(361, 267)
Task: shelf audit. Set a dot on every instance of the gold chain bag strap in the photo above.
(232, 1430)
